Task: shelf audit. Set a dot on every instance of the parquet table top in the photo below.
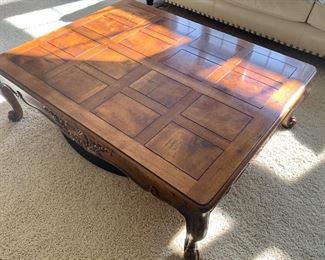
(186, 104)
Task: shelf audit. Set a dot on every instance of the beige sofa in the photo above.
(296, 23)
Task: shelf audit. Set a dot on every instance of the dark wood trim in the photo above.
(17, 113)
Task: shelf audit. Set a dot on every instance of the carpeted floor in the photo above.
(55, 205)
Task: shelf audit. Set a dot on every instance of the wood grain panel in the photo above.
(202, 132)
(145, 44)
(268, 66)
(164, 120)
(189, 152)
(126, 114)
(261, 78)
(73, 43)
(67, 82)
(160, 88)
(217, 117)
(145, 100)
(216, 46)
(131, 15)
(172, 29)
(37, 61)
(106, 26)
(104, 77)
(246, 88)
(114, 88)
(112, 63)
(191, 64)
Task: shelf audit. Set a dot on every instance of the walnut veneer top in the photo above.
(190, 104)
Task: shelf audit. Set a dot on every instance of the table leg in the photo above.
(17, 113)
(149, 2)
(289, 121)
(196, 229)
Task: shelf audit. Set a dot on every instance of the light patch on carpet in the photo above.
(273, 253)
(49, 17)
(76, 6)
(2, 2)
(287, 159)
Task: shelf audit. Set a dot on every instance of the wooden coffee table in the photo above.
(178, 107)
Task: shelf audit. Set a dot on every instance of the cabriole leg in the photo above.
(196, 229)
(17, 113)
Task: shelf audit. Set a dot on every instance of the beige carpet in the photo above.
(55, 205)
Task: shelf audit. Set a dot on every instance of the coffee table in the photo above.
(178, 107)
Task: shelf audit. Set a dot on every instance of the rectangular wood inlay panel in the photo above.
(216, 46)
(160, 88)
(106, 26)
(73, 43)
(37, 61)
(131, 14)
(246, 88)
(171, 29)
(112, 63)
(268, 66)
(261, 78)
(185, 150)
(217, 117)
(126, 114)
(145, 44)
(191, 64)
(67, 81)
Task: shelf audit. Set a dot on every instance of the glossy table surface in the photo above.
(188, 104)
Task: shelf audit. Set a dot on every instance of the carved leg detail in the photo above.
(17, 113)
(289, 121)
(196, 229)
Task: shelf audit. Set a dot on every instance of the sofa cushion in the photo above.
(298, 35)
(205, 7)
(290, 10)
(317, 15)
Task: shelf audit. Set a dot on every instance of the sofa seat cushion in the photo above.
(317, 15)
(290, 10)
